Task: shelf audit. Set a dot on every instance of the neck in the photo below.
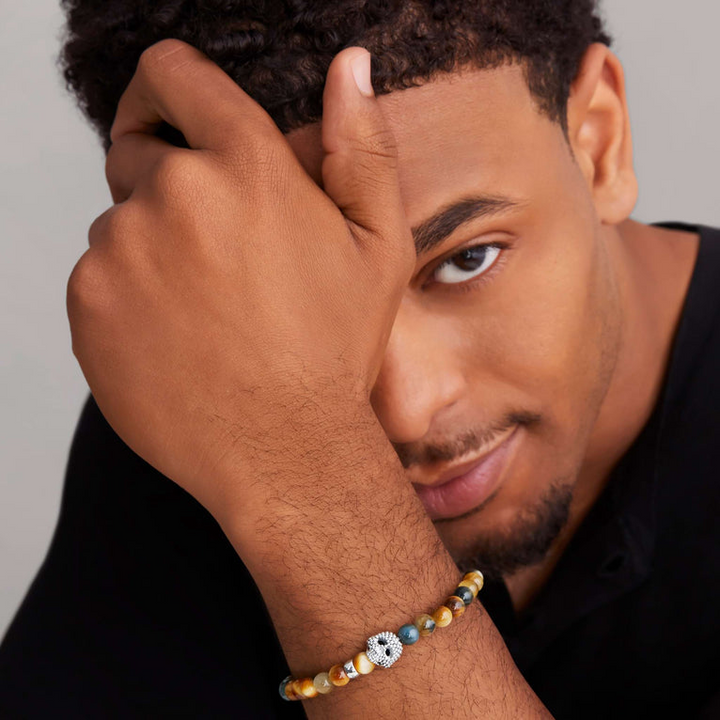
(653, 267)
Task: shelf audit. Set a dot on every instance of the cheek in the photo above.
(541, 329)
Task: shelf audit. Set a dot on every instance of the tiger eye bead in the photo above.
(363, 664)
(295, 688)
(322, 683)
(477, 576)
(307, 688)
(455, 604)
(425, 624)
(338, 676)
(442, 616)
(471, 585)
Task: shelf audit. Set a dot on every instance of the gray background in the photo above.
(52, 187)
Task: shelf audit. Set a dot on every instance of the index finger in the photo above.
(176, 83)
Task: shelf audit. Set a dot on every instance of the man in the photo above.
(412, 334)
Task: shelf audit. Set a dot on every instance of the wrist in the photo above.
(323, 467)
(360, 557)
(345, 517)
(326, 597)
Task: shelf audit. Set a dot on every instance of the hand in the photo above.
(229, 311)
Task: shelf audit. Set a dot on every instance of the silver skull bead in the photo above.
(384, 649)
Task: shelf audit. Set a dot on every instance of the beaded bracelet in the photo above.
(385, 648)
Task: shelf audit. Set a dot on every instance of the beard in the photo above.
(527, 539)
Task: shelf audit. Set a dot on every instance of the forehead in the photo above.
(461, 133)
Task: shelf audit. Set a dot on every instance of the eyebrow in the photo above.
(442, 224)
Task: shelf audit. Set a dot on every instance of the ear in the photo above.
(599, 134)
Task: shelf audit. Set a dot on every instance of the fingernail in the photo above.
(360, 66)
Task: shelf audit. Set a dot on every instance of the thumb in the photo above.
(359, 168)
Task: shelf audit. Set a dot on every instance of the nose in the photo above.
(420, 378)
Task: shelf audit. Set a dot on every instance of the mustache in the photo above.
(412, 454)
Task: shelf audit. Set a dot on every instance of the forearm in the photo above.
(370, 560)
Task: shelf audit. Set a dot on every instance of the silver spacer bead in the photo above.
(384, 649)
(349, 667)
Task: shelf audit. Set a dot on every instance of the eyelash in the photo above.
(478, 280)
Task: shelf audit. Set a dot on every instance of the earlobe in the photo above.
(599, 134)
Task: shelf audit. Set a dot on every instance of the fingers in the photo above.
(177, 83)
(131, 157)
(360, 163)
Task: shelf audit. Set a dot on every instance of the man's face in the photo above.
(507, 336)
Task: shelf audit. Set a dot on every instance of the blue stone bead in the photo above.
(282, 688)
(465, 593)
(408, 634)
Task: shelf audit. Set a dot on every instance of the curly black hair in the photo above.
(279, 51)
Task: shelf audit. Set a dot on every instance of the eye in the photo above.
(467, 264)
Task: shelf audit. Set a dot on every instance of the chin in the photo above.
(502, 540)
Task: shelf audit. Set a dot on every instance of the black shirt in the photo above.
(142, 609)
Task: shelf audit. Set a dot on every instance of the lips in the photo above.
(464, 487)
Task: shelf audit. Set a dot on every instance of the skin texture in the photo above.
(279, 353)
(563, 328)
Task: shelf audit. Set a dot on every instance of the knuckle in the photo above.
(164, 56)
(97, 230)
(257, 149)
(93, 285)
(105, 227)
(120, 232)
(84, 288)
(366, 179)
(175, 175)
(256, 163)
(377, 143)
(83, 283)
